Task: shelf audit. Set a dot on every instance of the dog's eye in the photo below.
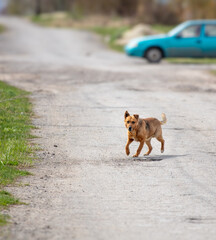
(128, 121)
(133, 122)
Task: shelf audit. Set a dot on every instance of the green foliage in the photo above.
(162, 28)
(147, 11)
(42, 20)
(76, 13)
(111, 34)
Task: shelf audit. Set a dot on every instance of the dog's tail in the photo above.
(164, 119)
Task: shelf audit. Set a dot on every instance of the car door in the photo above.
(209, 40)
(186, 43)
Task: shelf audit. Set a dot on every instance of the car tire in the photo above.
(153, 55)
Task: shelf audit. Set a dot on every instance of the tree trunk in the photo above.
(38, 7)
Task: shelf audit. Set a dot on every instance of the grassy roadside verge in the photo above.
(16, 153)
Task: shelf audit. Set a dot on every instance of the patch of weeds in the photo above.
(192, 60)
(2, 28)
(3, 219)
(213, 72)
(9, 174)
(41, 20)
(76, 13)
(110, 35)
(7, 199)
(57, 19)
(162, 28)
(26, 184)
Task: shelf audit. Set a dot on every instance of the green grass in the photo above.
(51, 19)
(111, 34)
(15, 131)
(162, 28)
(213, 72)
(192, 60)
(2, 28)
(7, 199)
(43, 21)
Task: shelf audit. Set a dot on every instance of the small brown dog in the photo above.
(143, 130)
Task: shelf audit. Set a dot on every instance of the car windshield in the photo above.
(175, 30)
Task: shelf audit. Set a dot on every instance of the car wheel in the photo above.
(154, 55)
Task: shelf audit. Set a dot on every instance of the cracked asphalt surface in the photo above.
(83, 184)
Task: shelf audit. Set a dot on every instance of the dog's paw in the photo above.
(162, 150)
(146, 154)
(135, 155)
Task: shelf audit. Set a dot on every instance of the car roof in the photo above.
(201, 21)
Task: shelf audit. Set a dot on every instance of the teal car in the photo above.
(194, 39)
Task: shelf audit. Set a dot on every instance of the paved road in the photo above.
(86, 187)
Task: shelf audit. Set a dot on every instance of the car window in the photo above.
(177, 29)
(210, 30)
(191, 31)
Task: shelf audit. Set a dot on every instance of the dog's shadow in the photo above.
(156, 158)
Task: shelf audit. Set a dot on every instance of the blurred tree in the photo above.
(144, 10)
(165, 14)
(38, 7)
(156, 11)
(195, 9)
(149, 11)
(21, 6)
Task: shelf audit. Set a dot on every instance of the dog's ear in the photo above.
(126, 114)
(136, 116)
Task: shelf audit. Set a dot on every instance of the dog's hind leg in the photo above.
(148, 143)
(160, 139)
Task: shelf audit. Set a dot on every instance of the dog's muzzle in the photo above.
(130, 129)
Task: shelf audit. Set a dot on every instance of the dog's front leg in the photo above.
(139, 149)
(129, 141)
